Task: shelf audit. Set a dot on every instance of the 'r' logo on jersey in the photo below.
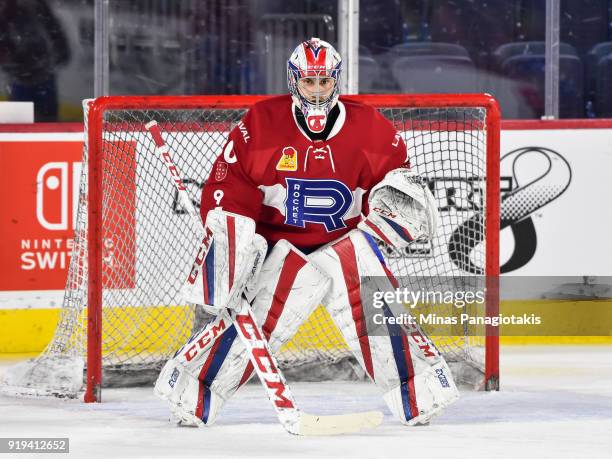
(325, 202)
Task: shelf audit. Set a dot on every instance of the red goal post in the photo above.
(133, 245)
(96, 125)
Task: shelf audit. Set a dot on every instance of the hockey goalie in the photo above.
(304, 190)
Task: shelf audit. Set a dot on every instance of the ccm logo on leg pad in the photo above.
(442, 377)
(174, 377)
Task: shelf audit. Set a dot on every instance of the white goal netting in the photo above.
(148, 244)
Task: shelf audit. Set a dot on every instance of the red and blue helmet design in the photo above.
(314, 58)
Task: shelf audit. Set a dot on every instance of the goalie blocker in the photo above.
(207, 370)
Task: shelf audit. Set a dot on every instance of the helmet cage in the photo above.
(298, 68)
(294, 74)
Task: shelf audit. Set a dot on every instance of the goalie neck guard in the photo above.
(313, 61)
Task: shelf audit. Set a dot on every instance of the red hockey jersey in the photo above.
(307, 192)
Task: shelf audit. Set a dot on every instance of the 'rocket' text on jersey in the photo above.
(307, 192)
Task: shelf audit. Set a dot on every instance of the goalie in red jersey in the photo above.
(324, 179)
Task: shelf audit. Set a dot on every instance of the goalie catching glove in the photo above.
(402, 210)
(227, 263)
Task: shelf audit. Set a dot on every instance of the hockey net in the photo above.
(134, 243)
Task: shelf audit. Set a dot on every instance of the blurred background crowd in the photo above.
(240, 47)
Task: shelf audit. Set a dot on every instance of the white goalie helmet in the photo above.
(313, 73)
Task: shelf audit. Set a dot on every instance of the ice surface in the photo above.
(556, 402)
(47, 376)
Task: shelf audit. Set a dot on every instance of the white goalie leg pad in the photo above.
(227, 261)
(402, 210)
(289, 288)
(214, 363)
(400, 361)
(434, 390)
(185, 380)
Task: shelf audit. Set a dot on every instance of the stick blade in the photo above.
(339, 424)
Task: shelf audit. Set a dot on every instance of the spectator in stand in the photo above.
(32, 47)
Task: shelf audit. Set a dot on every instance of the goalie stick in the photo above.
(294, 420)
